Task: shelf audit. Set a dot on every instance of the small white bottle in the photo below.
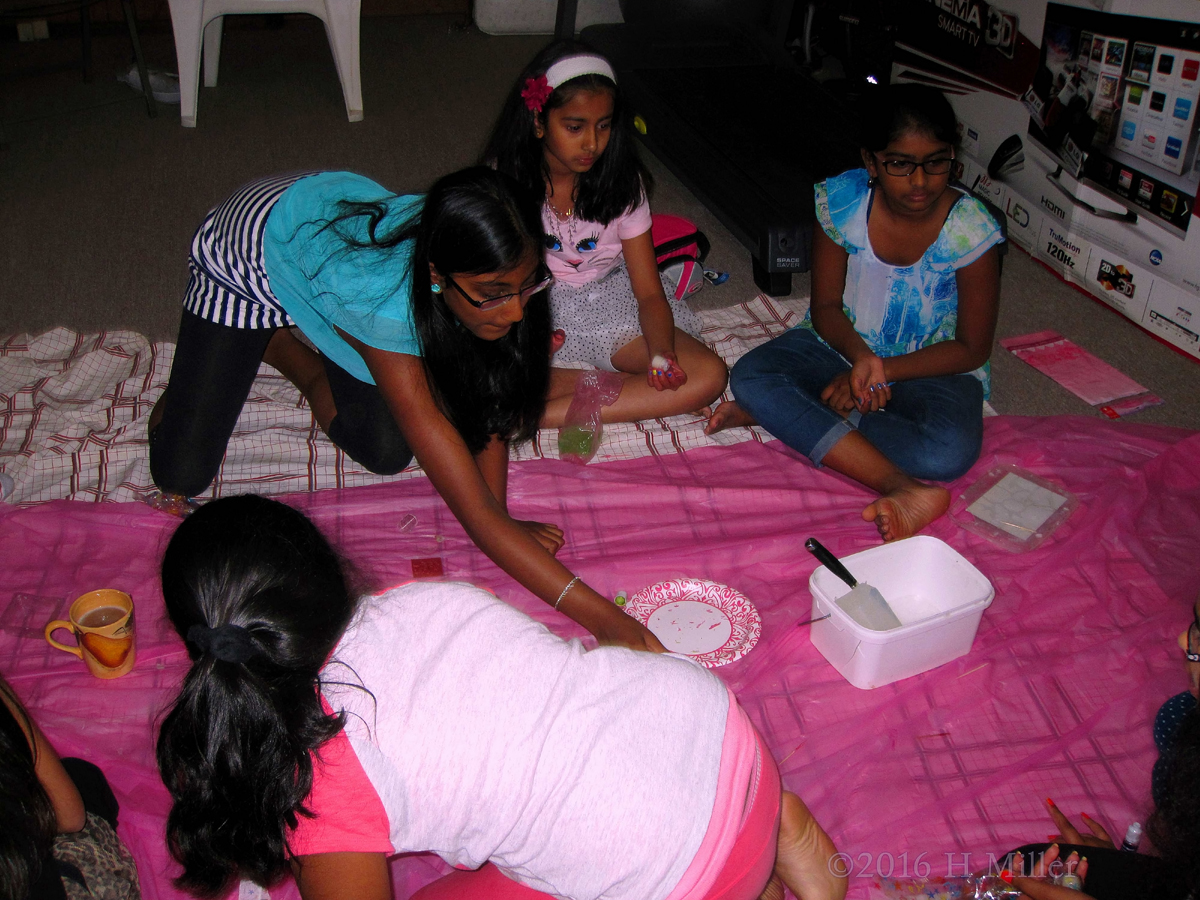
(1071, 881)
(1133, 837)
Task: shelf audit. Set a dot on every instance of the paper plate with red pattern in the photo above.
(712, 623)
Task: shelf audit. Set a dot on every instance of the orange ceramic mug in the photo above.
(103, 625)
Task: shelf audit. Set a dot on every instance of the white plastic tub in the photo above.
(936, 594)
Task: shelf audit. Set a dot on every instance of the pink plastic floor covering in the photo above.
(1055, 699)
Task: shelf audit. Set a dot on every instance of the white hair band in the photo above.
(573, 66)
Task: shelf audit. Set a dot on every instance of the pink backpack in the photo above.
(680, 248)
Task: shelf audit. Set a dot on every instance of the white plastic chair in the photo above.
(198, 22)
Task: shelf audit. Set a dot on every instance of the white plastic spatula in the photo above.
(864, 604)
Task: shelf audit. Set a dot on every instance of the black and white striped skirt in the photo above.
(229, 284)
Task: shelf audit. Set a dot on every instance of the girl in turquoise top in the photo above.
(432, 337)
(884, 380)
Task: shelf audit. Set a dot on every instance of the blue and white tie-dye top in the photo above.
(899, 309)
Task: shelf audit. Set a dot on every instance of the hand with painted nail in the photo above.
(1069, 834)
(665, 373)
(1045, 877)
(1033, 889)
(869, 384)
(1049, 865)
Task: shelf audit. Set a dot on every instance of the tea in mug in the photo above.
(101, 616)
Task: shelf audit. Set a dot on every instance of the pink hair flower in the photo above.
(536, 92)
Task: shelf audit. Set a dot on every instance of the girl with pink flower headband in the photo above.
(564, 132)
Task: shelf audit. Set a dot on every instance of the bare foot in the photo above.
(728, 415)
(558, 337)
(805, 859)
(773, 890)
(907, 510)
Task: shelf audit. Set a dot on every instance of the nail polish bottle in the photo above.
(1133, 837)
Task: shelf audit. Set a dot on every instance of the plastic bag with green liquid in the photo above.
(581, 433)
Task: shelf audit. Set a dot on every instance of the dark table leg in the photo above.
(85, 38)
(131, 21)
(564, 22)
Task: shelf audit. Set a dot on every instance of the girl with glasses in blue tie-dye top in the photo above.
(884, 380)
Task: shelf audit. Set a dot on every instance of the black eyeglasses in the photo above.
(1193, 638)
(902, 168)
(492, 302)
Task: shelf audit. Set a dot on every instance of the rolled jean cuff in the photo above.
(831, 437)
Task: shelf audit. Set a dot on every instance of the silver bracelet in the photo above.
(570, 584)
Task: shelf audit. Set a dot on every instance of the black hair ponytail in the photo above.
(619, 180)
(260, 598)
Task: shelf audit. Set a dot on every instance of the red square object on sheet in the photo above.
(427, 568)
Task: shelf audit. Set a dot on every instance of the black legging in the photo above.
(211, 376)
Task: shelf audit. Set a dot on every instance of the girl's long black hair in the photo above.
(618, 181)
(234, 749)
(28, 818)
(1174, 827)
(473, 222)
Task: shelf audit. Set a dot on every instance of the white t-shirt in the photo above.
(486, 737)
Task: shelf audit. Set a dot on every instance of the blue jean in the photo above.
(931, 428)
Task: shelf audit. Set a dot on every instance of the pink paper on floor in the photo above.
(1083, 374)
(1055, 699)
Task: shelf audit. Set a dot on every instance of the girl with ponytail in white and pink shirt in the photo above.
(318, 734)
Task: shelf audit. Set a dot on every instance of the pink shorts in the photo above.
(749, 794)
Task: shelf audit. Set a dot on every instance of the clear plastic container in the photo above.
(1013, 508)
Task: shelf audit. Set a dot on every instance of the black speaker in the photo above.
(782, 250)
(787, 248)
